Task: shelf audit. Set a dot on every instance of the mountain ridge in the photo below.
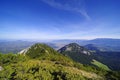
(50, 65)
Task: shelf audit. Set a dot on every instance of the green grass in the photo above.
(100, 65)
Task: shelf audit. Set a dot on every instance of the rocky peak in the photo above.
(74, 47)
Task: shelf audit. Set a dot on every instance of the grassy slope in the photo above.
(100, 65)
(45, 67)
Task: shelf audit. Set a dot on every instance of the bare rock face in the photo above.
(1, 68)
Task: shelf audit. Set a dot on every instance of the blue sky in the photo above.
(59, 19)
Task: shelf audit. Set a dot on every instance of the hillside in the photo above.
(80, 54)
(111, 59)
(48, 64)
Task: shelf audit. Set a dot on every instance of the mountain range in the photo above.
(103, 44)
(103, 50)
(41, 62)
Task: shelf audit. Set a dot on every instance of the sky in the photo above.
(59, 19)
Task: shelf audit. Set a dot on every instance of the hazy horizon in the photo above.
(50, 40)
(59, 19)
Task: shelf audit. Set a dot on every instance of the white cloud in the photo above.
(70, 5)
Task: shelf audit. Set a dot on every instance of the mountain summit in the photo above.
(75, 48)
(38, 49)
(77, 53)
